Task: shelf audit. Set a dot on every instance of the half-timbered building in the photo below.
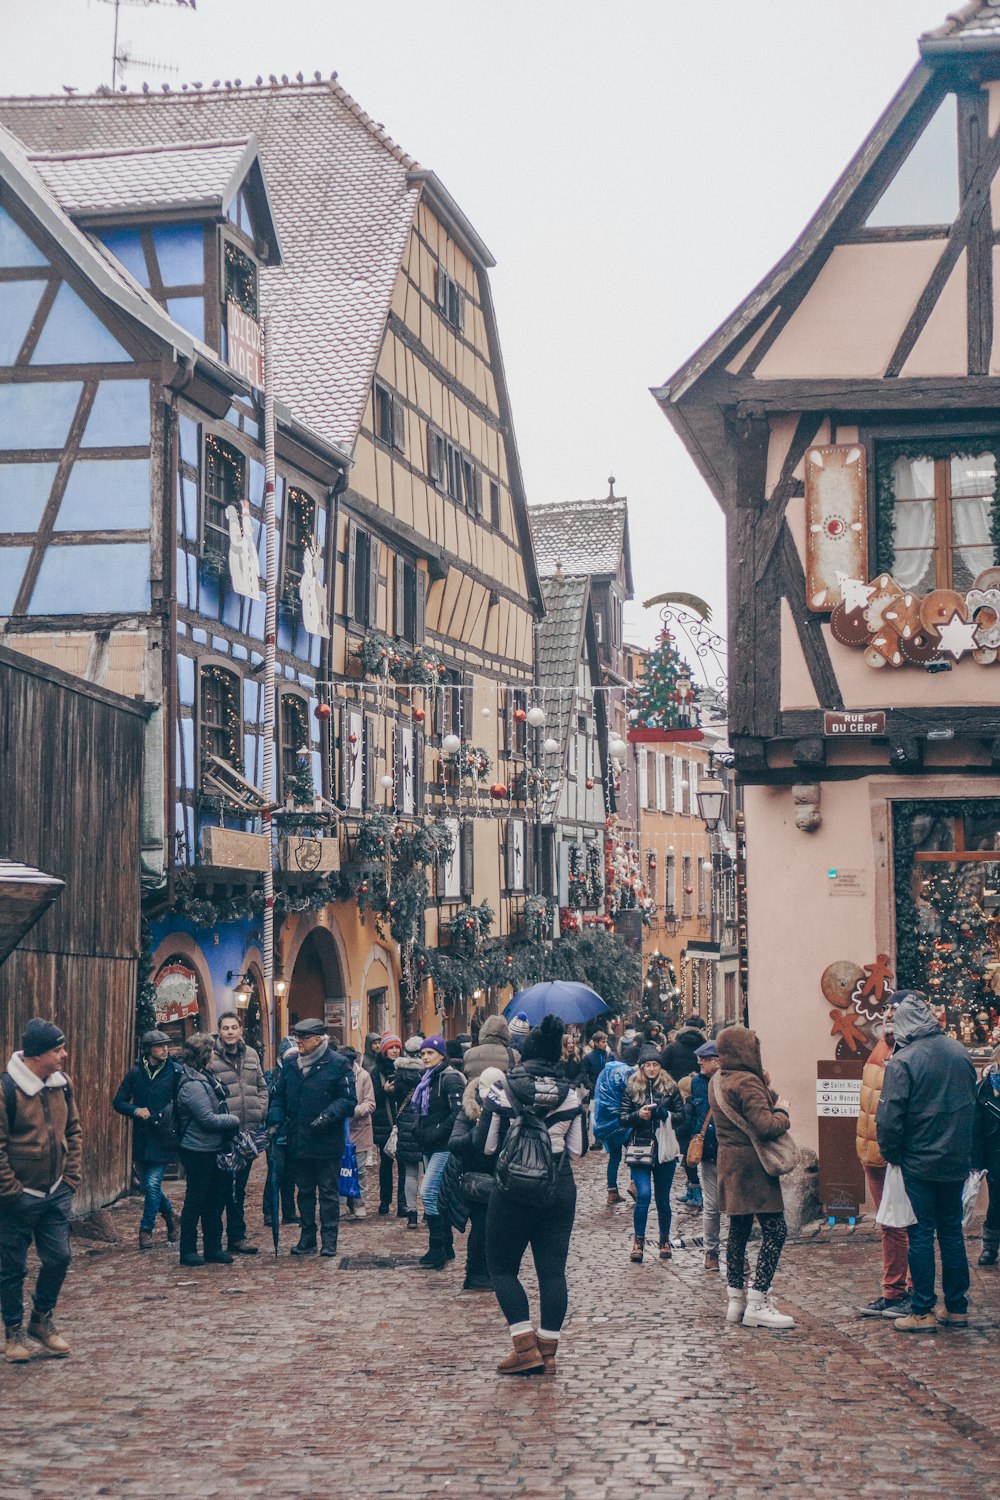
(845, 418)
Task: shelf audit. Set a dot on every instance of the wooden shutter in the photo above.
(643, 771)
(530, 830)
(418, 771)
(399, 790)
(442, 289)
(477, 490)
(548, 860)
(399, 604)
(373, 551)
(434, 455)
(398, 425)
(508, 855)
(352, 563)
(460, 297)
(677, 776)
(369, 742)
(467, 855)
(420, 612)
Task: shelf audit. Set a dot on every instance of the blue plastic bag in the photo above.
(350, 1184)
(609, 1092)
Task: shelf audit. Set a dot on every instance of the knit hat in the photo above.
(40, 1036)
(435, 1044)
(487, 1078)
(412, 1045)
(520, 1026)
(389, 1039)
(151, 1039)
(544, 1043)
(696, 1021)
(707, 1049)
(650, 1052)
(286, 1045)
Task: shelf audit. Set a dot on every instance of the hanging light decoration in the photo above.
(536, 717)
(550, 746)
(451, 744)
(617, 748)
(385, 781)
(485, 712)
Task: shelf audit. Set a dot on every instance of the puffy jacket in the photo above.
(246, 1086)
(696, 1108)
(206, 1124)
(594, 1063)
(314, 1105)
(492, 1050)
(45, 1143)
(666, 1103)
(871, 1092)
(386, 1084)
(926, 1115)
(140, 1089)
(986, 1140)
(678, 1055)
(443, 1105)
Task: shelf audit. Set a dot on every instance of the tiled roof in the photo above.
(146, 178)
(582, 537)
(559, 642)
(343, 202)
(978, 20)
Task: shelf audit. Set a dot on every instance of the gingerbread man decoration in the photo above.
(844, 1026)
(870, 994)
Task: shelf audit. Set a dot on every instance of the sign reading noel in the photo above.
(246, 344)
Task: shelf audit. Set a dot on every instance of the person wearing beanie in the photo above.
(925, 1124)
(492, 1049)
(409, 1070)
(41, 1154)
(534, 1088)
(436, 1103)
(384, 1118)
(651, 1111)
(277, 1156)
(475, 1177)
(519, 1029)
(147, 1088)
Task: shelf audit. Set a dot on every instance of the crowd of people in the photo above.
(480, 1136)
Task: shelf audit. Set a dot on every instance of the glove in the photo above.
(321, 1122)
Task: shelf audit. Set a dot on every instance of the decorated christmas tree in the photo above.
(954, 943)
(665, 696)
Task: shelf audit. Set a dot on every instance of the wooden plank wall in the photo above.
(70, 797)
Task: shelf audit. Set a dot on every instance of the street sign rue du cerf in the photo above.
(848, 724)
(246, 345)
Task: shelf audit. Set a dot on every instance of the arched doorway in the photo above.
(316, 987)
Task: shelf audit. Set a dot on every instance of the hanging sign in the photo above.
(246, 345)
(853, 724)
(176, 994)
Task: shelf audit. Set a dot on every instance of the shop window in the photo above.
(300, 529)
(221, 722)
(293, 733)
(225, 484)
(938, 525)
(450, 299)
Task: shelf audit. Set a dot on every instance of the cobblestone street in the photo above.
(294, 1379)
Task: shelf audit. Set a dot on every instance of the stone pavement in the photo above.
(287, 1379)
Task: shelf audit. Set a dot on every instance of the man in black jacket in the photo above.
(145, 1091)
(315, 1095)
(437, 1102)
(924, 1123)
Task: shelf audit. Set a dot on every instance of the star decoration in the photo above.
(854, 592)
(957, 636)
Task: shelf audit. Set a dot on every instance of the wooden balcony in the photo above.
(231, 849)
(301, 855)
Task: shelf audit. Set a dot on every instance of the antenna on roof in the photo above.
(611, 486)
(120, 57)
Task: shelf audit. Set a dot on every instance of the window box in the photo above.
(231, 849)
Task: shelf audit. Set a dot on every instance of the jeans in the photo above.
(614, 1162)
(411, 1182)
(895, 1245)
(236, 1224)
(46, 1221)
(649, 1182)
(938, 1207)
(433, 1172)
(319, 1175)
(711, 1219)
(991, 1224)
(204, 1200)
(155, 1200)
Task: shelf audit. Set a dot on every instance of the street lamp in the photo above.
(243, 990)
(671, 922)
(711, 801)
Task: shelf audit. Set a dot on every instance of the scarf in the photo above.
(420, 1103)
(152, 1073)
(306, 1064)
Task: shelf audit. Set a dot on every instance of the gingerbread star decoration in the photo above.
(958, 636)
(844, 1026)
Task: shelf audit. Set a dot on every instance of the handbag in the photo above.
(476, 1186)
(638, 1154)
(350, 1186)
(241, 1150)
(779, 1157)
(392, 1143)
(895, 1210)
(696, 1146)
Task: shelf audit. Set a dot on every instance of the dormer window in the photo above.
(241, 280)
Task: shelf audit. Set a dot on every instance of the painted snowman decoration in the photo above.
(312, 593)
(243, 569)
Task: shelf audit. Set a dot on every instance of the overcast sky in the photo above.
(635, 168)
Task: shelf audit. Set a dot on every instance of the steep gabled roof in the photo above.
(566, 632)
(583, 538)
(965, 29)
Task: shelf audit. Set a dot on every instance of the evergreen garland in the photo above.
(886, 455)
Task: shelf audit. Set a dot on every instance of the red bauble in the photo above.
(689, 890)
(353, 739)
(419, 715)
(519, 715)
(322, 711)
(498, 791)
(589, 783)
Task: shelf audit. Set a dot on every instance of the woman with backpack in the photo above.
(651, 1109)
(206, 1127)
(531, 1124)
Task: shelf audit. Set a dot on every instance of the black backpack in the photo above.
(10, 1097)
(527, 1170)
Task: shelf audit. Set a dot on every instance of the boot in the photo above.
(218, 1257)
(696, 1196)
(411, 1221)
(306, 1244)
(988, 1256)
(951, 1319)
(917, 1323)
(614, 1196)
(547, 1348)
(194, 1259)
(762, 1313)
(15, 1349)
(446, 1238)
(711, 1260)
(42, 1328)
(170, 1220)
(145, 1239)
(638, 1246)
(243, 1247)
(476, 1283)
(737, 1304)
(526, 1358)
(436, 1257)
(665, 1251)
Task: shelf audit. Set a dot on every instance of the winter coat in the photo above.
(926, 1115)
(362, 1134)
(593, 1066)
(696, 1108)
(386, 1083)
(871, 1092)
(206, 1124)
(744, 1186)
(141, 1090)
(539, 1087)
(666, 1102)
(492, 1050)
(986, 1140)
(463, 1157)
(443, 1104)
(246, 1086)
(678, 1055)
(313, 1106)
(45, 1143)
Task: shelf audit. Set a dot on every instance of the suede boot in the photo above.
(638, 1246)
(436, 1257)
(15, 1348)
(547, 1348)
(145, 1239)
(526, 1358)
(42, 1328)
(169, 1218)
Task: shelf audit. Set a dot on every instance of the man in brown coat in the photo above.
(895, 1298)
(40, 1160)
(237, 1065)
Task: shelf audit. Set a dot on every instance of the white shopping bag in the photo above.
(970, 1192)
(894, 1211)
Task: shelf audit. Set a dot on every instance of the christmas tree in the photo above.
(665, 697)
(954, 941)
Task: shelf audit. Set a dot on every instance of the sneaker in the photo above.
(883, 1307)
(243, 1247)
(951, 1319)
(917, 1323)
(898, 1309)
(220, 1258)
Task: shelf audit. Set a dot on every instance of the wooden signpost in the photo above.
(841, 1175)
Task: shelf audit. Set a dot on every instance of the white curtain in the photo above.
(914, 534)
(971, 525)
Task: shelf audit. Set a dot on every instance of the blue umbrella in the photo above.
(556, 997)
